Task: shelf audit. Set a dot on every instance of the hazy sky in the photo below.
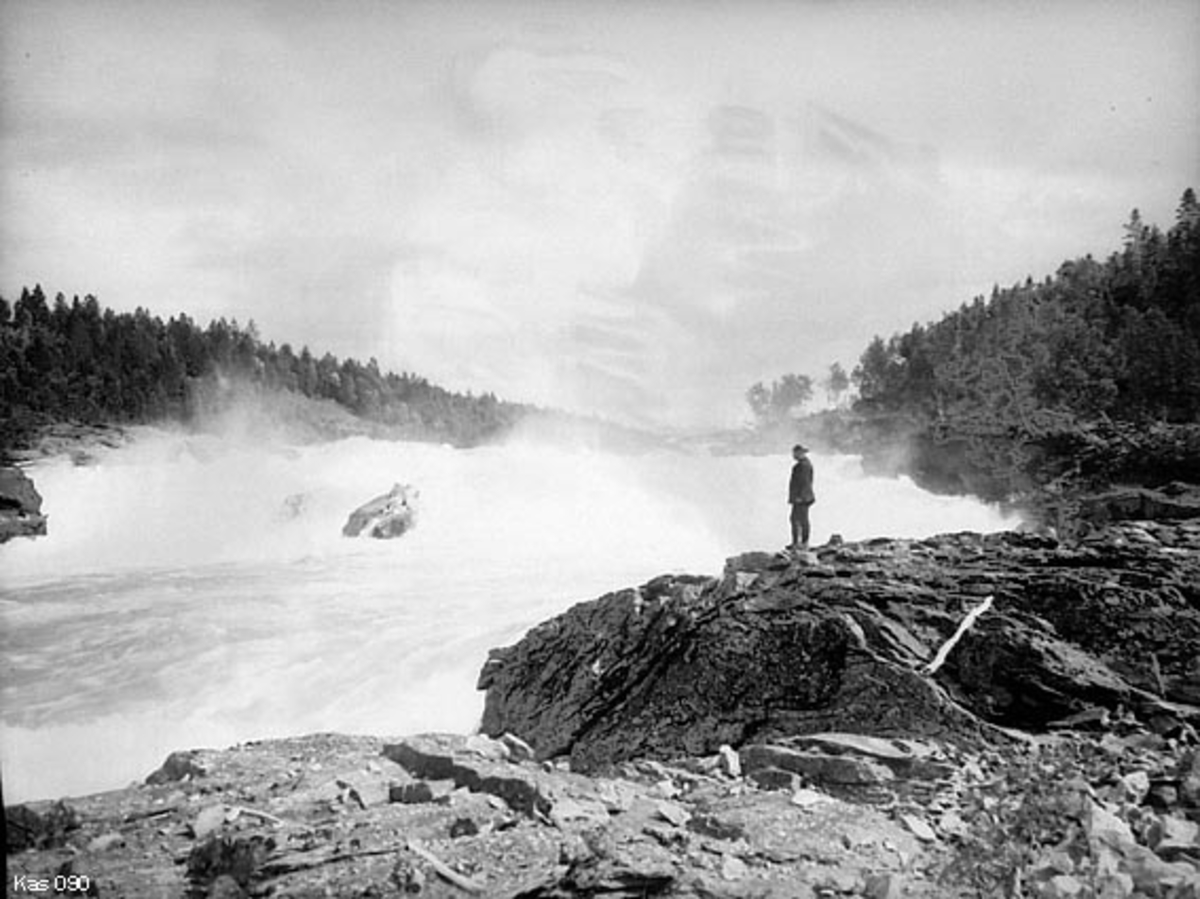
(637, 208)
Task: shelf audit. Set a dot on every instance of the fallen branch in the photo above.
(1156, 671)
(255, 813)
(445, 871)
(944, 652)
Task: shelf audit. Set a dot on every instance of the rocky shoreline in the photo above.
(831, 724)
(20, 506)
(21, 512)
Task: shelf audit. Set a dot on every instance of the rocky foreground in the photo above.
(960, 716)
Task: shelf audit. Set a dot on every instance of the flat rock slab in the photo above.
(906, 758)
(893, 750)
(818, 767)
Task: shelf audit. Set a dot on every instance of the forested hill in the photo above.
(78, 361)
(1119, 338)
(1039, 368)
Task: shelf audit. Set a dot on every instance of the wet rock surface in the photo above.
(82, 443)
(20, 506)
(391, 515)
(21, 512)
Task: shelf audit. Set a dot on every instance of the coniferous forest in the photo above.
(1094, 371)
(74, 360)
(1119, 338)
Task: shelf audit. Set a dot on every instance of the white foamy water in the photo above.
(194, 592)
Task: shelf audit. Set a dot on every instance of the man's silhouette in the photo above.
(800, 495)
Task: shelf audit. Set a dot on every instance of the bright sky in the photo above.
(632, 208)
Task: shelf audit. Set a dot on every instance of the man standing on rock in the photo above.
(800, 495)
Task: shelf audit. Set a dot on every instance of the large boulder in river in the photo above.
(844, 639)
(20, 506)
(390, 515)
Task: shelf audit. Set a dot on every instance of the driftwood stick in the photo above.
(1156, 671)
(255, 813)
(963, 627)
(445, 871)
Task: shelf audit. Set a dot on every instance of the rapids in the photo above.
(196, 591)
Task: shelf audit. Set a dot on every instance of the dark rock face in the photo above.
(1175, 501)
(840, 640)
(20, 506)
(390, 515)
(178, 766)
(27, 828)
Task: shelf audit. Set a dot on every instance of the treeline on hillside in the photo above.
(1036, 372)
(1119, 338)
(75, 360)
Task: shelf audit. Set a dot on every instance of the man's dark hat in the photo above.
(801, 447)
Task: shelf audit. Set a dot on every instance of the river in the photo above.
(196, 591)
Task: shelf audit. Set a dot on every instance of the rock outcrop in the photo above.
(1173, 501)
(390, 515)
(20, 506)
(843, 640)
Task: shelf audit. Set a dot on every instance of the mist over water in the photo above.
(196, 591)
